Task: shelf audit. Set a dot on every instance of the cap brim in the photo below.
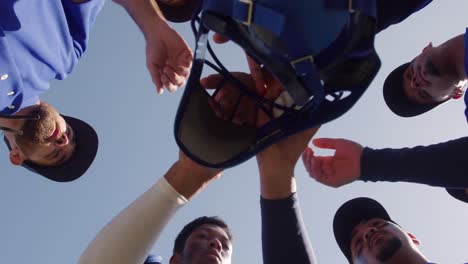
(459, 194)
(395, 96)
(178, 11)
(352, 213)
(85, 151)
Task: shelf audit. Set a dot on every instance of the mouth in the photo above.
(214, 255)
(374, 238)
(54, 134)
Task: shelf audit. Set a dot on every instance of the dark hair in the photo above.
(183, 235)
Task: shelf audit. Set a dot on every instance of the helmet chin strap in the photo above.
(18, 132)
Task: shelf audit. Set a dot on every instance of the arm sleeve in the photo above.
(80, 19)
(439, 165)
(128, 238)
(284, 236)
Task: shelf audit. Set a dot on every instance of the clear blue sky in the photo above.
(46, 222)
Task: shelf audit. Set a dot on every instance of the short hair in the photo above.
(183, 235)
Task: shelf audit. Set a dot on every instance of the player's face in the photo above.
(431, 77)
(48, 141)
(378, 241)
(207, 244)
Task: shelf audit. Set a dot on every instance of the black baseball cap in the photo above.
(85, 151)
(179, 10)
(352, 213)
(459, 194)
(395, 96)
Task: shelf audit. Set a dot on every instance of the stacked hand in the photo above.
(342, 168)
(168, 58)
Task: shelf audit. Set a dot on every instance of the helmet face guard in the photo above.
(325, 66)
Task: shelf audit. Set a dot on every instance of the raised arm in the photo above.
(284, 236)
(128, 238)
(168, 57)
(436, 165)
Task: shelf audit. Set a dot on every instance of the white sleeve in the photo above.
(128, 238)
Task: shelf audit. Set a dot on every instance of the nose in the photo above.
(368, 232)
(62, 140)
(216, 244)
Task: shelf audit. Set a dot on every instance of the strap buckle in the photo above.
(248, 22)
(305, 58)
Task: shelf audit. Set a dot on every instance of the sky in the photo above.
(46, 222)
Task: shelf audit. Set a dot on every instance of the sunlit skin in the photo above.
(57, 148)
(437, 74)
(207, 244)
(379, 241)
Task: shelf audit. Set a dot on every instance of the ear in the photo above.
(16, 157)
(175, 259)
(457, 93)
(414, 239)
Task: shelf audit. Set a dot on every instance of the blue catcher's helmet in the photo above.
(322, 52)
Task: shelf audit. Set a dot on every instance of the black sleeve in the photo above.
(441, 165)
(284, 236)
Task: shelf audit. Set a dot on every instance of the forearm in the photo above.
(146, 14)
(284, 236)
(442, 164)
(277, 184)
(128, 238)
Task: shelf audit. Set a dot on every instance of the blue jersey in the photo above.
(40, 40)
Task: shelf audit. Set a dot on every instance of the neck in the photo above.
(413, 256)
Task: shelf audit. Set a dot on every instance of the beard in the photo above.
(37, 131)
(389, 248)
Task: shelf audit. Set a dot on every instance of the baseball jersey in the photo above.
(40, 40)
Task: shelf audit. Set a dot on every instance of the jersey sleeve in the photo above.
(81, 18)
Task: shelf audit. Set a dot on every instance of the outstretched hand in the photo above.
(342, 168)
(168, 58)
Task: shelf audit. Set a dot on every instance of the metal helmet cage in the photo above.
(324, 71)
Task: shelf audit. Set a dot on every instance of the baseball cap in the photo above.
(459, 194)
(352, 213)
(179, 10)
(395, 96)
(85, 151)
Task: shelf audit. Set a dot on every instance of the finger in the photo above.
(167, 83)
(307, 156)
(211, 81)
(156, 78)
(257, 74)
(325, 143)
(220, 39)
(182, 64)
(173, 77)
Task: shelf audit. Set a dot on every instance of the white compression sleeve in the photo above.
(128, 238)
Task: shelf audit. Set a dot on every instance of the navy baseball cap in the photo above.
(352, 213)
(459, 194)
(85, 151)
(395, 96)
